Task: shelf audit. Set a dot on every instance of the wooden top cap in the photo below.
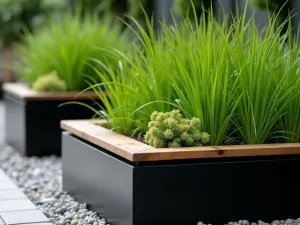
(24, 92)
(136, 151)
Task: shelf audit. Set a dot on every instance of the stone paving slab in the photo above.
(23, 217)
(38, 223)
(7, 185)
(15, 207)
(11, 195)
(3, 176)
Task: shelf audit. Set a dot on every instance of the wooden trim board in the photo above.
(24, 92)
(136, 151)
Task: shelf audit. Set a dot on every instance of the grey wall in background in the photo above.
(261, 16)
(223, 6)
(163, 8)
(296, 18)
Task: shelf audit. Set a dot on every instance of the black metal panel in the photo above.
(217, 193)
(184, 192)
(33, 127)
(99, 179)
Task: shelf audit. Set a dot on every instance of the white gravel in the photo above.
(41, 180)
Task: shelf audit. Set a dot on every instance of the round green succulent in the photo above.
(171, 130)
(49, 83)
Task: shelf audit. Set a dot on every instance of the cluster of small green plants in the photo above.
(57, 57)
(171, 130)
(242, 83)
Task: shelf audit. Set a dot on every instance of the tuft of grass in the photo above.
(241, 82)
(264, 82)
(290, 119)
(67, 45)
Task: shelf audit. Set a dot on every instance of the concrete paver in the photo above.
(11, 195)
(23, 217)
(15, 207)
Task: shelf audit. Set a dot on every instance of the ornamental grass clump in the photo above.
(171, 130)
(242, 83)
(67, 46)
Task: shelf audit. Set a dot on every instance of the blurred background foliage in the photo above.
(19, 15)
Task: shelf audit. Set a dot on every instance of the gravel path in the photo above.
(41, 180)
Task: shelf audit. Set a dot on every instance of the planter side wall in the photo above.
(182, 192)
(33, 127)
(217, 193)
(15, 123)
(97, 178)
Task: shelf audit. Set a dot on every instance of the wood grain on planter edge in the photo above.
(136, 151)
(24, 92)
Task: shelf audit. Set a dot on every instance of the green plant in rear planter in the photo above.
(172, 130)
(67, 46)
(58, 61)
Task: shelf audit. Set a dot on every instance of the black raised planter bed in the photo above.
(32, 120)
(131, 183)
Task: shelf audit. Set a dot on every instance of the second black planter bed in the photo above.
(32, 119)
(131, 183)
